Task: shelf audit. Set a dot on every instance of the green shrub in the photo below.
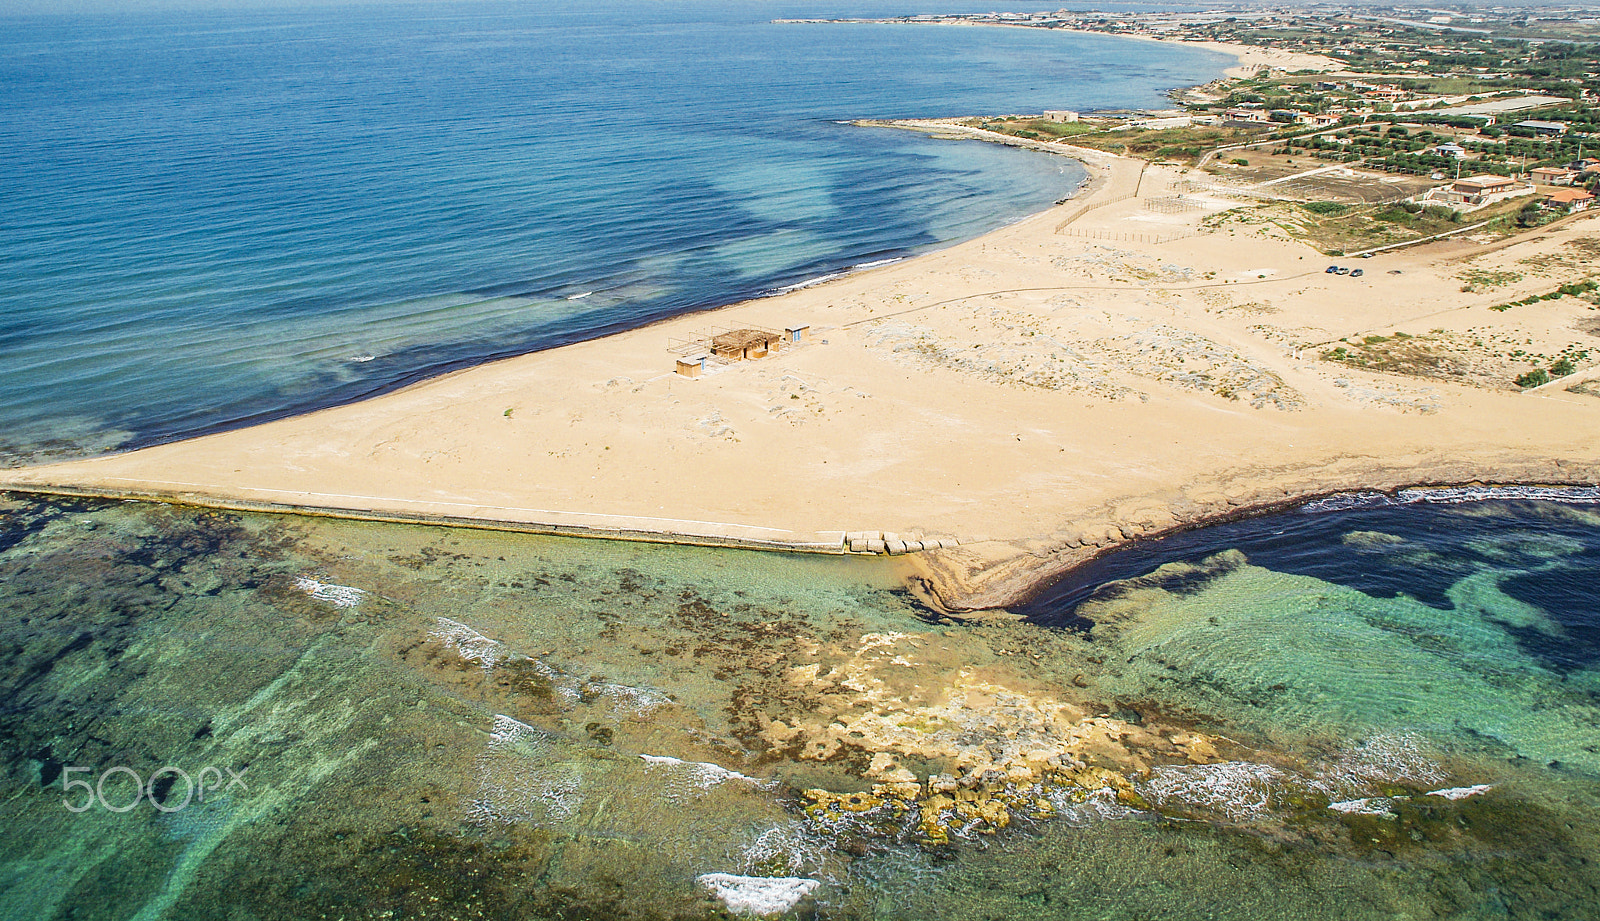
(1534, 378)
(1562, 368)
(1325, 207)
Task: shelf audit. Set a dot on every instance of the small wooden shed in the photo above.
(692, 366)
(739, 344)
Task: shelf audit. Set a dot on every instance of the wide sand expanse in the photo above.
(1100, 371)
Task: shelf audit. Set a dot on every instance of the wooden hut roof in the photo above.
(740, 339)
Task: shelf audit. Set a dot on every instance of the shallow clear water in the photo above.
(219, 217)
(1252, 721)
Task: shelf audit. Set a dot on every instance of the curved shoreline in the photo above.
(1251, 59)
(984, 571)
(1022, 402)
(938, 584)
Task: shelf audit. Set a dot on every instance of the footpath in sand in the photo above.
(1100, 371)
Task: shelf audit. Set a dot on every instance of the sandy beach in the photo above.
(1013, 405)
(1252, 59)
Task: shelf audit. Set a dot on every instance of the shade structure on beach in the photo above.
(745, 343)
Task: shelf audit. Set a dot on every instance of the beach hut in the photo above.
(795, 333)
(739, 344)
(692, 366)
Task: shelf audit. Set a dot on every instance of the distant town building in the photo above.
(1473, 192)
(1451, 150)
(1251, 116)
(1060, 115)
(1483, 185)
(1572, 200)
(1178, 121)
(1544, 129)
(1554, 175)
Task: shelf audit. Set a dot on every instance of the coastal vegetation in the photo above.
(1337, 228)
(1575, 289)
(1416, 106)
(1484, 356)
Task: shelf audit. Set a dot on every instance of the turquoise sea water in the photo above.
(1373, 713)
(219, 217)
(1370, 709)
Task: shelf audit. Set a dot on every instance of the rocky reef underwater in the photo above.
(226, 716)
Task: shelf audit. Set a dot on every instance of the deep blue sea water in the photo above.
(1419, 545)
(217, 217)
(1369, 708)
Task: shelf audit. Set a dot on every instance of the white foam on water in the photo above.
(579, 297)
(757, 895)
(703, 774)
(1454, 495)
(808, 283)
(876, 263)
(1454, 793)
(1396, 758)
(340, 596)
(516, 781)
(472, 645)
(1345, 501)
(633, 701)
(791, 844)
(565, 685)
(1372, 805)
(1099, 806)
(1579, 495)
(508, 731)
(1237, 789)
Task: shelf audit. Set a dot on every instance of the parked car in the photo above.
(1343, 271)
(1332, 269)
(1355, 273)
